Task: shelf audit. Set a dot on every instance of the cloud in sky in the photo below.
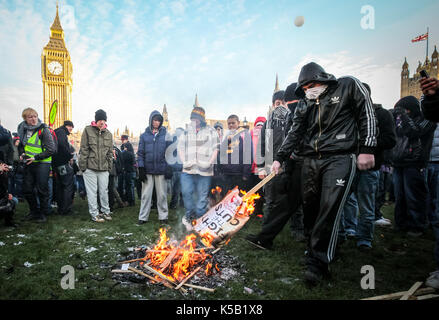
(131, 57)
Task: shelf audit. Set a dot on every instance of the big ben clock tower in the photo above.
(56, 72)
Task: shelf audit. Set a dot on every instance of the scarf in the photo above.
(314, 93)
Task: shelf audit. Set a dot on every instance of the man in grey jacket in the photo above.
(96, 160)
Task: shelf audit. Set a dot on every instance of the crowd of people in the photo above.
(338, 158)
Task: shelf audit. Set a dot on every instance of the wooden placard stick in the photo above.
(142, 274)
(163, 277)
(168, 259)
(397, 295)
(411, 291)
(187, 278)
(428, 296)
(259, 185)
(199, 288)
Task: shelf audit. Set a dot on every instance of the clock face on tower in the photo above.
(55, 68)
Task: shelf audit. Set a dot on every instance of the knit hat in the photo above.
(278, 95)
(100, 115)
(218, 125)
(290, 93)
(124, 137)
(410, 103)
(198, 113)
(69, 123)
(260, 120)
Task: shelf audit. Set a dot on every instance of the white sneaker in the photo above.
(97, 219)
(186, 223)
(107, 217)
(383, 222)
(433, 280)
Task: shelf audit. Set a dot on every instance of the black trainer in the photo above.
(253, 239)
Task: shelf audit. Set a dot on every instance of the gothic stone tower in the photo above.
(56, 73)
(410, 86)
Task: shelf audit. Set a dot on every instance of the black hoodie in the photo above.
(341, 121)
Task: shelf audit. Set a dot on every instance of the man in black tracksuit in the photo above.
(282, 193)
(334, 122)
(64, 171)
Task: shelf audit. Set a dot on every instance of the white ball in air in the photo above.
(299, 21)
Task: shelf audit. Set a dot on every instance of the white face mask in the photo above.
(314, 93)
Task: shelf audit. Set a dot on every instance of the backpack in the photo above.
(54, 137)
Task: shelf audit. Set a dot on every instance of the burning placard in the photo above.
(222, 221)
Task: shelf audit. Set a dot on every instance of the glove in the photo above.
(168, 173)
(142, 174)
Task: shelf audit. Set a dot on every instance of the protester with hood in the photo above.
(151, 161)
(96, 161)
(365, 185)
(198, 149)
(282, 193)
(334, 129)
(36, 149)
(430, 109)
(410, 156)
(64, 177)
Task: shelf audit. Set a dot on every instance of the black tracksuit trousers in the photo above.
(326, 185)
(283, 198)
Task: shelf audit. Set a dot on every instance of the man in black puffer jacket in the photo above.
(410, 157)
(333, 124)
(64, 171)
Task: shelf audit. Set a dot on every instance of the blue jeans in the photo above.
(432, 177)
(129, 187)
(349, 219)
(176, 189)
(410, 198)
(362, 200)
(198, 186)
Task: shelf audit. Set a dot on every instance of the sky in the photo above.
(132, 57)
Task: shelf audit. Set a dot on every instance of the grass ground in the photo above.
(31, 258)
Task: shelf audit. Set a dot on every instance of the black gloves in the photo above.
(142, 174)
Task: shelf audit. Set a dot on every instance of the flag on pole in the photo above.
(422, 37)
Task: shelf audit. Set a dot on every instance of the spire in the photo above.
(164, 109)
(435, 53)
(405, 64)
(56, 25)
(276, 87)
(196, 104)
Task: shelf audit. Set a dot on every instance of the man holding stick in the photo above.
(334, 129)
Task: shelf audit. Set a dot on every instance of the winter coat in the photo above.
(430, 107)
(4, 136)
(65, 150)
(341, 121)
(128, 157)
(413, 136)
(236, 154)
(47, 143)
(151, 154)
(196, 150)
(434, 149)
(96, 152)
(386, 138)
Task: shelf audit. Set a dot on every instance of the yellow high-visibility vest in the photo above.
(33, 147)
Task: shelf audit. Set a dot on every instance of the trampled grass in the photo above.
(31, 258)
